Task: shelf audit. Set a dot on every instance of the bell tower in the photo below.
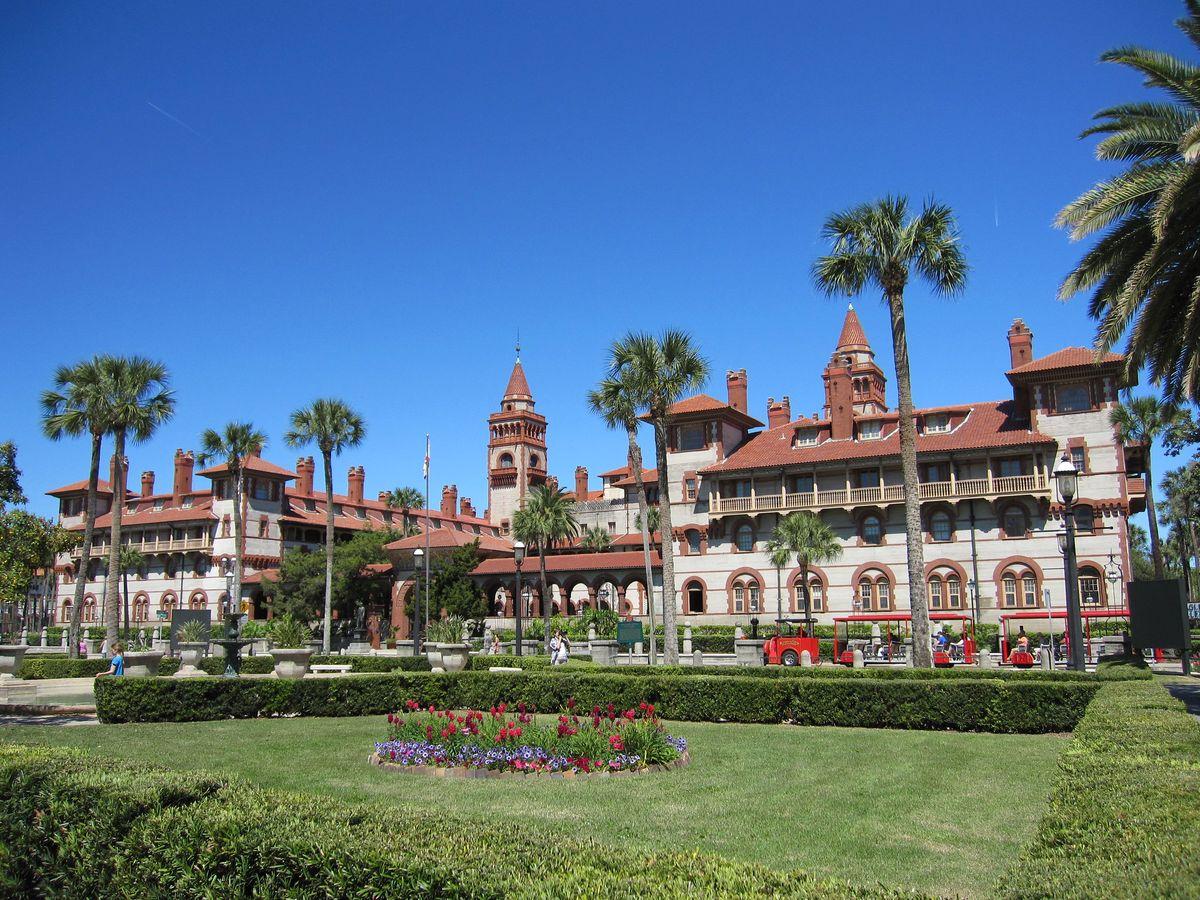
(516, 449)
(854, 384)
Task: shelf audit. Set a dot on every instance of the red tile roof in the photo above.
(624, 470)
(201, 511)
(590, 495)
(102, 487)
(987, 425)
(518, 386)
(570, 562)
(852, 337)
(1068, 358)
(252, 464)
(703, 403)
(444, 538)
(650, 476)
(630, 539)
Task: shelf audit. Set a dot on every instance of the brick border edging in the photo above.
(684, 759)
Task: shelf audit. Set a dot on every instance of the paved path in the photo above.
(1188, 693)
(85, 719)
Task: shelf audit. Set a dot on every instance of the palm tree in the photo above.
(811, 541)
(130, 560)
(405, 498)
(75, 406)
(333, 426)
(236, 443)
(139, 401)
(547, 518)
(659, 372)
(1144, 271)
(878, 244)
(653, 520)
(613, 400)
(1181, 488)
(1143, 420)
(596, 539)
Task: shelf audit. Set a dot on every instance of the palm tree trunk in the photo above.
(670, 634)
(328, 457)
(85, 553)
(635, 459)
(112, 594)
(1155, 549)
(918, 603)
(779, 599)
(543, 599)
(804, 589)
(125, 578)
(239, 489)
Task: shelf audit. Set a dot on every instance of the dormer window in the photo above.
(870, 431)
(310, 505)
(937, 424)
(187, 502)
(805, 437)
(158, 505)
(691, 436)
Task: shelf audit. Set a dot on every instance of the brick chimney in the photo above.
(147, 484)
(1020, 344)
(778, 413)
(182, 485)
(581, 483)
(118, 490)
(466, 508)
(305, 469)
(735, 383)
(450, 500)
(839, 398)
(383, 496)
(354, 483)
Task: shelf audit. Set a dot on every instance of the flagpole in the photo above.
(427, 598)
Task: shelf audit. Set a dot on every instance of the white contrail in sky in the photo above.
(177, 121)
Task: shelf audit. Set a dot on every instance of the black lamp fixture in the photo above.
(519, 599)
(1066, 479)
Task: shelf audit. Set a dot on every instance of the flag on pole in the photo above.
(425, 466)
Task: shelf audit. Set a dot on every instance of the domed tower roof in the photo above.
(852, 337)
(518, 386)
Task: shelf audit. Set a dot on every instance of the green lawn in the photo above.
(940, 812)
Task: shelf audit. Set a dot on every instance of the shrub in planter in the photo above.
(192, 641)
(291, 652)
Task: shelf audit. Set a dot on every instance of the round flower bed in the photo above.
(513, 741)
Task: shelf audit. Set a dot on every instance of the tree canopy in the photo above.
(300, 588)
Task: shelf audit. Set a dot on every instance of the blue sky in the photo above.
(285, 201)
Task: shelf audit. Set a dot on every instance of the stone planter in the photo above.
(11, 657)
(604, 653)
(749, 651)
(455, 656)
(190, 653)
(433, 652)
(143, 663)
(291, 662)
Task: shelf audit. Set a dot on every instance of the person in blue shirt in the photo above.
(117, 663)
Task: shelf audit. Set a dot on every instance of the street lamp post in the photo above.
(1066, 478)
(973, 586)
(418, 556)
(518, 600)
(227, 568)
(1114, 575)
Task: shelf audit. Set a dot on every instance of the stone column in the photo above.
(749, 651)
(687, 637)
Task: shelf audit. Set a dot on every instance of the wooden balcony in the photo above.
(962, 489)
(172, 545)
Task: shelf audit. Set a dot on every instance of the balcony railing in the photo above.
(889, 493)
(170, 545)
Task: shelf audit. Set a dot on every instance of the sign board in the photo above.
(629, 633)
(179, 617)
(1158, 614)
(1194, 611)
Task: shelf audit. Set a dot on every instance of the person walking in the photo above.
(555, 644)
(564, 650)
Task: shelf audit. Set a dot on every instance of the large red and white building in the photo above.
(989, 512)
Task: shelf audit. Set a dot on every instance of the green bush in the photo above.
(528, 662)
(38, 667)
(76, 825)
(1124, 816)
(998, 705)
(376, 664)
(879, 673)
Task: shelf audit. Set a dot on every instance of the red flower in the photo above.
(571, 703)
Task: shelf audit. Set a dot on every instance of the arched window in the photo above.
(1016, 522)
(167, 602)
(1009, 581)
(506, 460)
(694, 592)
(89, 609)
(953, 592)
(746, 595)
(935, 592)
(940, 526)
(1029, 589)
(744, 538)
(533, 460)
(197, 601)
(65, 611)
(1019, 588)
(945, 589)
(1089, 586)
(874, 591)
(872, 530)
(816, 595)
(141, 608)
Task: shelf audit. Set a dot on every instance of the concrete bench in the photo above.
(330, 668)
(504, 669)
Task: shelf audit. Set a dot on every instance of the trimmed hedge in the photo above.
(882, 673)
(527, 662)
(376, 664)
(1124, 815)
(959, 704)
(39, 667)
(78, 825)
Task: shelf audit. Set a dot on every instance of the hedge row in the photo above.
(1124, 815)
(526, 662)
(80, 826)
(960, 704)
(881, 673)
